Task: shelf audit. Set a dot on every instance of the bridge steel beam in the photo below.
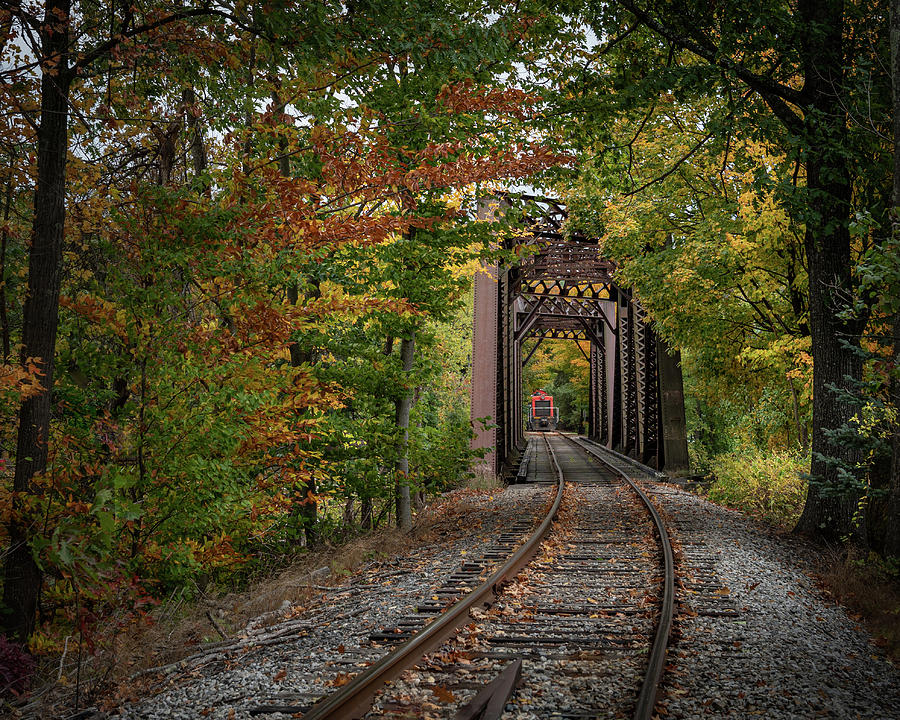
(516, 420)
(648, 391)
(614, 383)
(506, 418)
(593, 394)
(598, 399)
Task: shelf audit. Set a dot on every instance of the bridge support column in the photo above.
(484, 367)
(671, 393)
(487, 356)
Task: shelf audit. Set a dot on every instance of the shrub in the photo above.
(767, 484)
(16, 668)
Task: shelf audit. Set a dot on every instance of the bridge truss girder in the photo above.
(564, 289)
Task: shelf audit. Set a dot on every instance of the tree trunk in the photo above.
(22, 577)
(830, 508)
(404, 404)
(195, 134)
(799, 423)
(4, 235)
(892, 526)
(249, 78)
(303, 508)
(366, 513)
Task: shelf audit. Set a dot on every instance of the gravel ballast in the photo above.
(776, 648)
(755, 637)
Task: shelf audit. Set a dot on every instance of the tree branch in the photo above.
(776, 95)
(105, 47)
(678, 163)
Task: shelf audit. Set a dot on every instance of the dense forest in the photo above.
(238, 238)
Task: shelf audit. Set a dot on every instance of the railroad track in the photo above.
(582, 631)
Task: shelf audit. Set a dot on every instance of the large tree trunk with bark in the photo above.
(22, 577)
(830, 508)
(892, 519)
(404, 405)
(5, 346)
(892, 525)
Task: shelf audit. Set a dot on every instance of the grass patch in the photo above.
(766, 484)
(483, 478)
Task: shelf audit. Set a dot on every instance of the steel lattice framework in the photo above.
(563, 288)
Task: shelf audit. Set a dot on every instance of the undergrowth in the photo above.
(767, 484)
(112, 670)
(869, 587)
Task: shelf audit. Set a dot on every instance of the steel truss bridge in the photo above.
(563, 288)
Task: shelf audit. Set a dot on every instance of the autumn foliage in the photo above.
(255, 218)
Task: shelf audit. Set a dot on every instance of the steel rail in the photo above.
(355, 698)
(661, 476)
(656, 662)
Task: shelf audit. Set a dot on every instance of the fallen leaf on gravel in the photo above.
(341, 680)
(280, 675)
(443, 694)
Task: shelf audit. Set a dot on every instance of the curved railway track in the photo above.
(597, 601)
(657, 658)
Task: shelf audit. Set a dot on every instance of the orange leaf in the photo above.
(341, 680)
(443, 694)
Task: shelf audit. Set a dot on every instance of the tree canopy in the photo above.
(237, 241)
